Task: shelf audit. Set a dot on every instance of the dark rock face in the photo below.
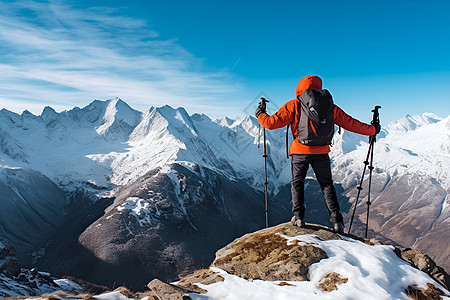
(9, 265)
(64, 256)
(168, 225)
(33, 207)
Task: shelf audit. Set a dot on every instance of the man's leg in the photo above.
(322, 168)
(299, 167)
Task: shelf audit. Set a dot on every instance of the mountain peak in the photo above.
(409, 123)
(225, 121)
(49, 115)
(117, 111)
(178, 118)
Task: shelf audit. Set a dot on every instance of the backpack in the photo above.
(316, 126)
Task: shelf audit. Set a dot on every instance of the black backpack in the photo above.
(316, 126)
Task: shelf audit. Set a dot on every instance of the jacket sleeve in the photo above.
(351, 124)
(281, 118)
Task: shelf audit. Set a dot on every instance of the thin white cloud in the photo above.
(53, 54)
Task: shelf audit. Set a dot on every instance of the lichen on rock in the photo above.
(267, 255)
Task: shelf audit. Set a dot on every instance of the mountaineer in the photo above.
(312, 116)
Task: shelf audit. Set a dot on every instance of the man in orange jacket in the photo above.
(317, 156)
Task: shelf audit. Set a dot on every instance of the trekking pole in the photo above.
(372, 140)
(263, 102)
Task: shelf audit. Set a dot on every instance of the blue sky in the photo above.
(217, 57)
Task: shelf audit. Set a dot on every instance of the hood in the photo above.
(308, 82)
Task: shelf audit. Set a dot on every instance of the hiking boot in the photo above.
(338, 227)
(297, 222)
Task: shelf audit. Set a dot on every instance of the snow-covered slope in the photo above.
(418, 145)
(58, 144)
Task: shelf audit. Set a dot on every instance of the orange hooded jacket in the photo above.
(290, 114)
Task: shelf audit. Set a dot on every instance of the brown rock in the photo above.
(425, 264)
(324, 233)
(266, 255)
(166, 291)
(431, 293)
(372, 242)
(284, 283)
(329, 282)
(204, 276)
(147, 294)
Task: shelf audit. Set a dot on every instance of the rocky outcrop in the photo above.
(267, 255)
(27, 282)
(165, 291)
(17, 281)
(425, 264)
(430, 293)
(203, 276)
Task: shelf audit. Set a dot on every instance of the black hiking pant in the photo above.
(322, 168)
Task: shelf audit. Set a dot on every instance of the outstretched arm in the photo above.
(351, 124)
(283, 117)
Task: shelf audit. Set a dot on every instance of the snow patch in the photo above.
(138, 208)
(111, 296)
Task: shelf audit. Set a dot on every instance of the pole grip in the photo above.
(376, 115)
(263, 102)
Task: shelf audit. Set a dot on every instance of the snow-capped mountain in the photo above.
(107, 144)
(178, 179)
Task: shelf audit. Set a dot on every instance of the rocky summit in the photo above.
(313, 261)
(287, 253)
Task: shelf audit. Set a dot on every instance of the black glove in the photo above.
(260, 109)
(377, 127)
